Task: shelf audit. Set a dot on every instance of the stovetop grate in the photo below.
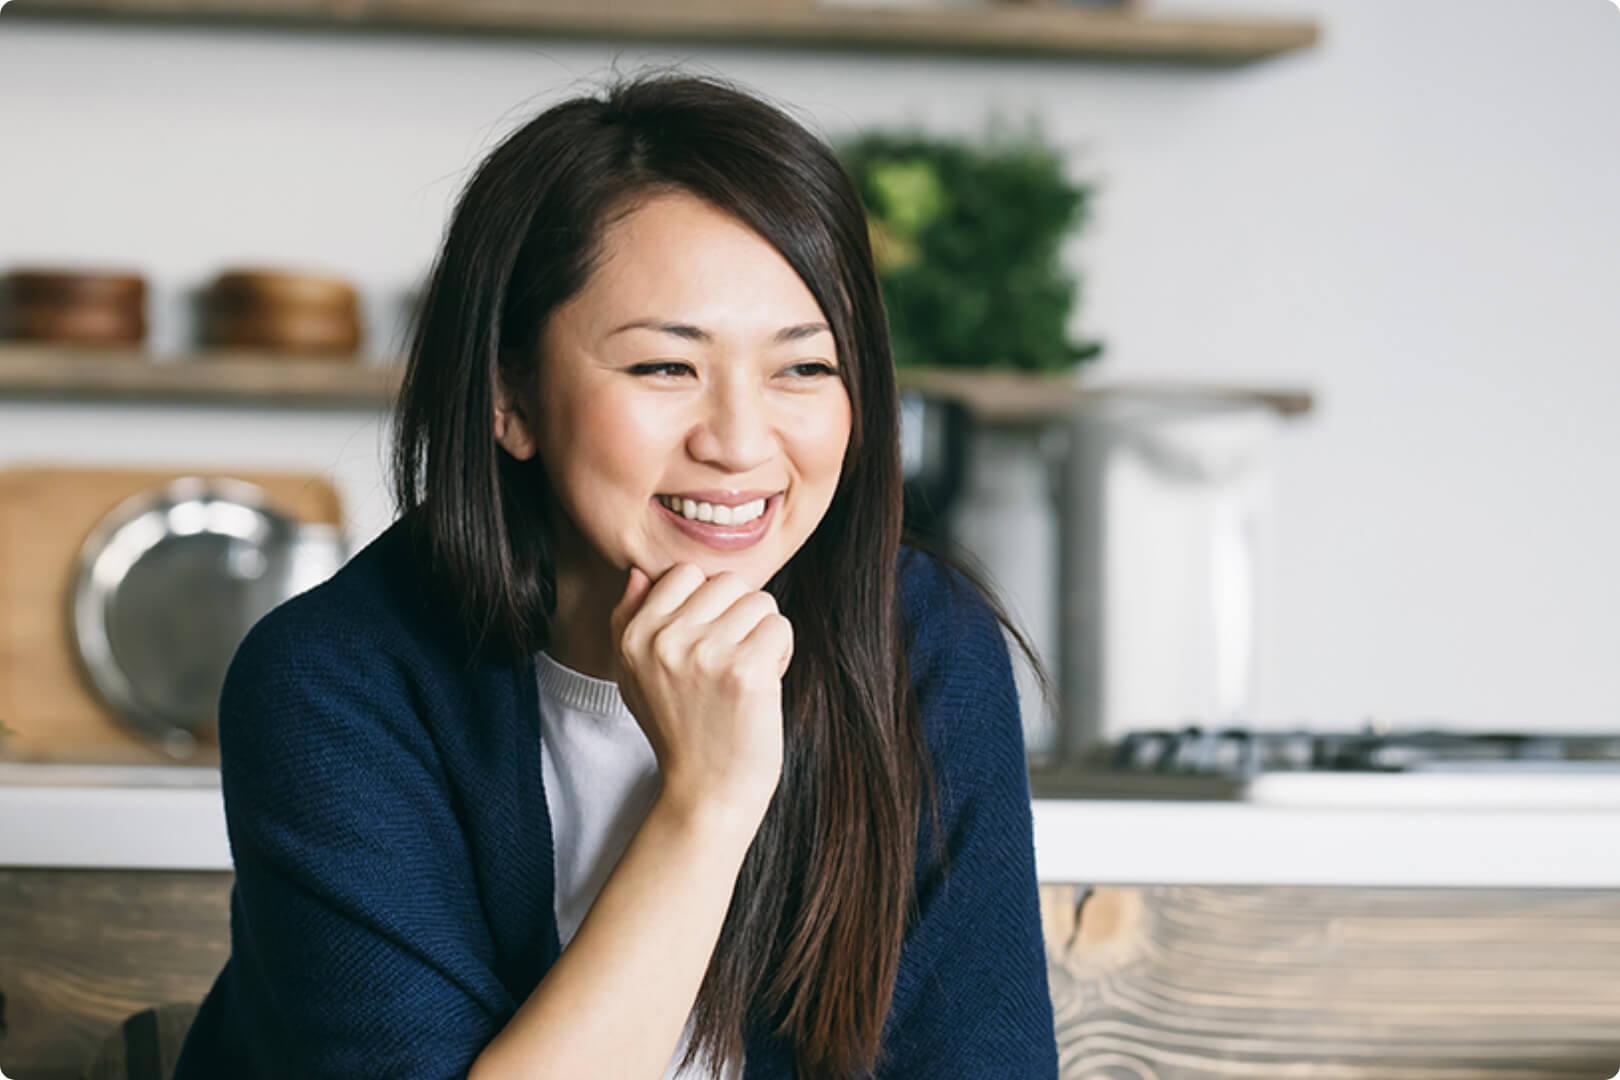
(1244, 752)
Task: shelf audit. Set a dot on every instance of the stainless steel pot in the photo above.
(167, 586)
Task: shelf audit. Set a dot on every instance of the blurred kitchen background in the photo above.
(1308, 503)
(1399, 225)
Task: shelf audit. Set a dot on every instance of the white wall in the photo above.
(1417, 219)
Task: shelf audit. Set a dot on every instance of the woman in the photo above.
(638, 746)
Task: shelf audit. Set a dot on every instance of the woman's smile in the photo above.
(722, 521)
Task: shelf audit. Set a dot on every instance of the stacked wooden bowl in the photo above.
(281, 311)
(73, 307)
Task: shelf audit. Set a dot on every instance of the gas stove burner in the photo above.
(1244, 752)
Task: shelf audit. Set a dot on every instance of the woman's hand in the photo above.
(700, 662)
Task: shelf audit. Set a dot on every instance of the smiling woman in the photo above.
(640, 745)
(712, 431)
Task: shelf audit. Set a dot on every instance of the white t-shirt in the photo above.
(601, 779)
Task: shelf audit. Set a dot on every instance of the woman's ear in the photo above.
(511, 430)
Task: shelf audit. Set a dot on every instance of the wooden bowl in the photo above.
(308, 332)
(73, 307)
(44, 286)
(82, 324)
(246, 289)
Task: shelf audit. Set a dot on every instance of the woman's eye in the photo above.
(812, 368)
(662, 367)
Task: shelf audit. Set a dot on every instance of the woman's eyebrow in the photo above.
(689, 332)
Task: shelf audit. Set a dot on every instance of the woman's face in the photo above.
(689, 404)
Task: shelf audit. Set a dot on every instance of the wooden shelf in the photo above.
(47, 372)
(1010, 397)
(1022, 29)
(50, 372)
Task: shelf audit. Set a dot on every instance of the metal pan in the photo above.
(168, 584)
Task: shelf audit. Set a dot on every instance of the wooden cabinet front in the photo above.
(1163, 983)
(81, 950)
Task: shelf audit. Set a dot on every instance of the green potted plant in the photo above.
(967, 238)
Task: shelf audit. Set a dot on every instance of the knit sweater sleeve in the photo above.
(359, 947)
(971, 999)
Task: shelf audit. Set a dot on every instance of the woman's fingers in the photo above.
(739, 620)
(772, 639)
(684, 601)
(635, 591)
(708, 622)
(711, 599)
(666, 595)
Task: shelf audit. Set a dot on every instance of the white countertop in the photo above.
(1373, 830)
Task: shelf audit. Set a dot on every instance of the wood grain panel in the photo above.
(1147, 984)
(1058, 30)
(216, 376)
(80, 950)
(1349, 984)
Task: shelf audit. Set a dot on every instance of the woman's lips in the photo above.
(723, 537)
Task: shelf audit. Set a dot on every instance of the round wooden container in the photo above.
(76, 287)
(73, 307)
(290, 332)
(83, 325)
(280, 290)
(282, 311)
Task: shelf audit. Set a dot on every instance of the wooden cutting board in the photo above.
(46, 512)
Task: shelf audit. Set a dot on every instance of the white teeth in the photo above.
(717, 513)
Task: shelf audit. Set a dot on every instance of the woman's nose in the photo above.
(734, 433)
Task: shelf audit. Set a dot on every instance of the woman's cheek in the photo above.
(626, 445)
(823, 439)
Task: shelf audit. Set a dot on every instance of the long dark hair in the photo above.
(811, 943)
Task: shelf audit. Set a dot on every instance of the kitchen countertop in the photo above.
(1352, 831)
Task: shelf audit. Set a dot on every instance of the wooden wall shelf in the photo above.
(45, 372)
(1050, 29)
(49, 372)
(1010, 397)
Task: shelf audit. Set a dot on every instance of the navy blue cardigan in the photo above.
(393, 900)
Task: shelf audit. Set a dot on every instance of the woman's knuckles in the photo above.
(757, 607)
(709, 657)
(778, 625)
(669, 649)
